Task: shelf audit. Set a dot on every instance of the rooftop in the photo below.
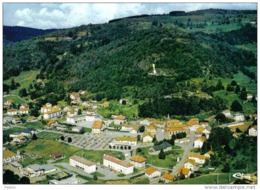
(196, 155)
(150, 170)
(97, 124)
(126, 138)
(117, 161)
(138, 158)
(82, 160)
(164, 145)
(168, 176)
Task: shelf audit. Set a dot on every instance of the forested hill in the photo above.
(17, 33)
(114, 60)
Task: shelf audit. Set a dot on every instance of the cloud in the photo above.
(65, 15)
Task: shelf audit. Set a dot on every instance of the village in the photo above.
(143, 144)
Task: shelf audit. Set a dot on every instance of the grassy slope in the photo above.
(16, 99)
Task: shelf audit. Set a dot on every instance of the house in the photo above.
(193, 124)
(19, 139)
(133, 129)
(53, 123)
(159, 124)
(199, 159)
(55, 112)
(97, 126)
(76, 119)
(24, 109)
(190, 164)
(46, 108)
(239, 117)
(145, 122)
(14, 135)
(167, 178)
(138, 161)
(9, 102)
(75, 98)
(227, 113)
(174, 129)
(29, 132)
(125, 140)
(32, 119)
(117, 164)
(199, 131)
(151, 129)
(198, 143)
(12, 112)
(83, 164)
(147, 137)
(56, 155)
(16, 120)
(252, 131)
(152, 172)
(86, 104)
(157, 148)
(38, 170)
(119, 119)
(184, 171)
(249, 97)
(62, 127)
(72, 113)
(9, 156)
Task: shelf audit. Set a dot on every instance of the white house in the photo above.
(148, 137)
(46, 108)
(76, 119)
(145, 122)
(23, 111)
(75, 97)
(97, 126)
(50, 112)
(239, 117)
(117, 164)
(151, 129)
(72, 113)
(138, 161)
(198, 143)
(12, 112)
(152, 172)
(185, 171)
(83, 164)
(199, 159)
(252, 131)
(38, 170)
(193, 124)
(227, 113)
(9, 102)
(119, 119)
(190, 164)
(167, 178)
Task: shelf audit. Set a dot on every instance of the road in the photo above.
(185, 154)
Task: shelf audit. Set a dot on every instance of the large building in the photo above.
(97, 126)
(50, 112)
(174, 127)
(117, 164)
(83, 164)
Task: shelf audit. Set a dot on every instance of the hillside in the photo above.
(114, 60)
(13, 34)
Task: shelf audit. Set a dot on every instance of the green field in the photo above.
(222, 178)
(168, 162)
(35, 125)
(48, 135)
(24, 79)
(12, 130)
(16, 99)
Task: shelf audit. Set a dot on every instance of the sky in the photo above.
(66, 15)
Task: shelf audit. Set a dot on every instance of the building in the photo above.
(67, 181)
(253, 131)
(167, 178)
(83, 164)
(249, 96)
(147, 137)
(184, 171)
(227, 113)
(138, 161)
(165, 146)
(117, 164)
(16, 120)
(23, 111)
(36, 170)
(125, 140)
(174, 127)
(53, 123)
(190, 164)
(56, 155)
(193, 124)
(119, 119)
(72, 113)
(145, 122)
(152, 172)
(151, 129)
(12, 112)
(9, 102)
(50, 111)
(97, 126)
(239, 117)
(75, 98)
(19, 139)
(198, 143)
(199, 159)
(133, 129)
(9, 156)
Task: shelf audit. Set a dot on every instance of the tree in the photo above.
(236, 106)
(161, 155)
(233, 83)
(69, 140)
(34, 137)
(226, 168)
(221, 118)
(219, 85)
(24, 180)
(62, 138)
(237, 89)
(23, 92)
(243, 95)
(141, 129)
(79, 112)
(172, 140)
(95, 177)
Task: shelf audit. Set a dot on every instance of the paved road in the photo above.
(185, 153)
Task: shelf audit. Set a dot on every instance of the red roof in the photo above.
(82, 160)
(117, 161)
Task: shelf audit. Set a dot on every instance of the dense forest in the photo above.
(114, 60)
